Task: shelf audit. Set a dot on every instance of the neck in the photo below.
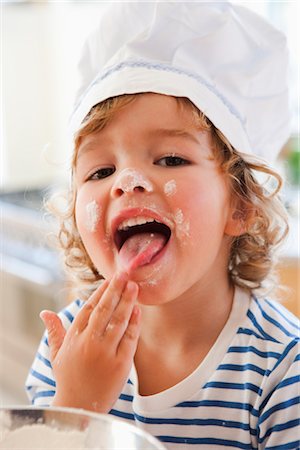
(195, 318)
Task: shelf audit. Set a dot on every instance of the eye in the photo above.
(172, 161)
(101, 173)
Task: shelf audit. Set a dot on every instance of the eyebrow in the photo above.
(159, 132)
(86, 148)
(176, 132)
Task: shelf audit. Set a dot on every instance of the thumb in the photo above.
(56, 331)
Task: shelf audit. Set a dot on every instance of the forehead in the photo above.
(151, 109)
(148, 115)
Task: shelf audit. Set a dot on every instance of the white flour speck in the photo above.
(182, 225)
(130, 179)
(170, 188)
(93, 215)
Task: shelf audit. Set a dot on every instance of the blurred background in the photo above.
(40, 46)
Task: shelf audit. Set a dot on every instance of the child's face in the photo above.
(152, 162)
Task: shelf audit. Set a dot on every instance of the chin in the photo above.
(153, 293)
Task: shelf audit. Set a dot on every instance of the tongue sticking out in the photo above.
(140, 249)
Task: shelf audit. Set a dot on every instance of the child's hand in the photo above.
(92, 360)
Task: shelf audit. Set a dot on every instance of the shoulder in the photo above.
(277, 332)
(269, 336)
(272, 321)
(267, 339)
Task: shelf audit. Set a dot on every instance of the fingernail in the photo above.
(42, 315)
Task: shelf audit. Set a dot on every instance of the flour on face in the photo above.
(129, 179)
(182, 225)
(170, 188)
(93, 215)
(154, 278)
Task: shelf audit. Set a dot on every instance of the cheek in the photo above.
(92, 215)
(199, 209)
(170, 188)
(89, 219)
(177, 198)
(210, 210)
(88, 213)
(182, 223)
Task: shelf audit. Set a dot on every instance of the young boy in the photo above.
(169, 228)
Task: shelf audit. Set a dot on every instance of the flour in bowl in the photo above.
(42, 437)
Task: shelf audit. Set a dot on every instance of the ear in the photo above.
(239, 218)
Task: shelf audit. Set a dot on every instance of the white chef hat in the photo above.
(227, 60)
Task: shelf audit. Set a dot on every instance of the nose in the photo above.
(129, 181)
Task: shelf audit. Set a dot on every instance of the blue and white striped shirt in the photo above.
(244, 395)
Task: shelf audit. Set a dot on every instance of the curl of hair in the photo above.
(253, 254)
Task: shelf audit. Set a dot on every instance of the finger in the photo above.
(82, 318)
(103, 311)
(56, 331)
(121, 316)
(128, 344)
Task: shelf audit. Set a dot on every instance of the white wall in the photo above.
(40, 47)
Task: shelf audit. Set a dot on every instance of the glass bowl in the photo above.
(67, 428)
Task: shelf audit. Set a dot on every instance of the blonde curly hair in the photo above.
(253, 254)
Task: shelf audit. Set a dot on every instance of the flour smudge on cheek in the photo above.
(182, 225)
(170, 188)
(93, 215)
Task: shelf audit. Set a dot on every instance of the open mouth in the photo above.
(153, 227)
(139, 240)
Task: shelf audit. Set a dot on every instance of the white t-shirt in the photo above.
(244, 394)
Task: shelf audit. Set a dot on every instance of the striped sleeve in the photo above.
(279, 422)
(40, 383)
(278, 426)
